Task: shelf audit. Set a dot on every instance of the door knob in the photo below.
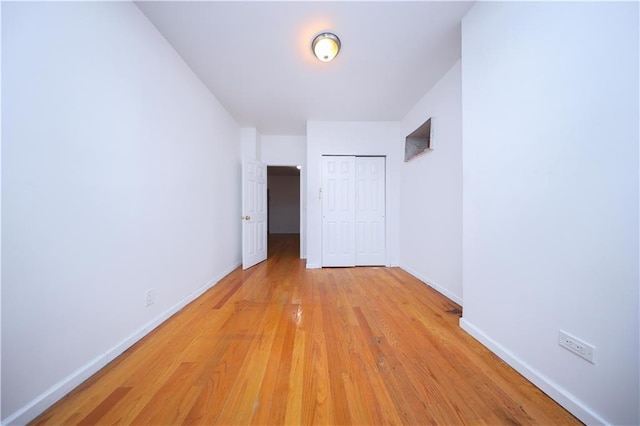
(245, 217)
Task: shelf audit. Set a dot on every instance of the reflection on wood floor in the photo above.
(281, 344)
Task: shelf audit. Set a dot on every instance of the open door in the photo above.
(254, 213)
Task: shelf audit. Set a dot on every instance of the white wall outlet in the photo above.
(577, 346)
(150, 297)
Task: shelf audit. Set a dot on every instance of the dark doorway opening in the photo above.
(283, 192)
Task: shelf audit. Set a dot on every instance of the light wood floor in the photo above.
(281, 344)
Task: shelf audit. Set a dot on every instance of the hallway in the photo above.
(282, 344)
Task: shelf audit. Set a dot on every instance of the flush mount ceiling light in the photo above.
(325, 46)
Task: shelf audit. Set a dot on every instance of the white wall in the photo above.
(1, 174)
(284, 204)
(288, 150)
(431, 192)
(351, 138)
(120, 174)
(250, 143)
(284, 150)
(550, 178)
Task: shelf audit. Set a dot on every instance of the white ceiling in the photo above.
(256, 57)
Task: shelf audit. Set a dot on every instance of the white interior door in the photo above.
(338, 211)
(370, 211)
(254, 213)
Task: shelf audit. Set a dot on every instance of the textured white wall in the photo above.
(120, 174)
(431, 192)
(550, 195)
(351, 138)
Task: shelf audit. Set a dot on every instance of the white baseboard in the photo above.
(548, 386)
(440, 289)
(37, 406)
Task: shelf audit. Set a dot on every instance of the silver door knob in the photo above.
(245, 217)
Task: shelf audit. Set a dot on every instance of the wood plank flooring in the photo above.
(279, 344)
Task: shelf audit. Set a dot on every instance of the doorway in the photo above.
(283, 199)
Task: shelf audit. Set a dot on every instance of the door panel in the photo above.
(338, 211)
(370, 212)
(353, 211)
(254, 213)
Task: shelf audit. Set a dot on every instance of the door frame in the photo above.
(302, 207)
(386, 205)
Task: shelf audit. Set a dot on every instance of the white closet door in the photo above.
(338, 211)
(370, 211)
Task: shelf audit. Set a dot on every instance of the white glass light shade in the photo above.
(326, 46)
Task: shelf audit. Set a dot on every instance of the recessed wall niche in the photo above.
(420, 140)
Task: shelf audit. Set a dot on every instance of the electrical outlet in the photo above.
(150, 297)
(577, 346)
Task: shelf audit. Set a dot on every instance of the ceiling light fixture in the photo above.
(325, 46)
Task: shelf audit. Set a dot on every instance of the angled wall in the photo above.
(431, 191)
(120, 175)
